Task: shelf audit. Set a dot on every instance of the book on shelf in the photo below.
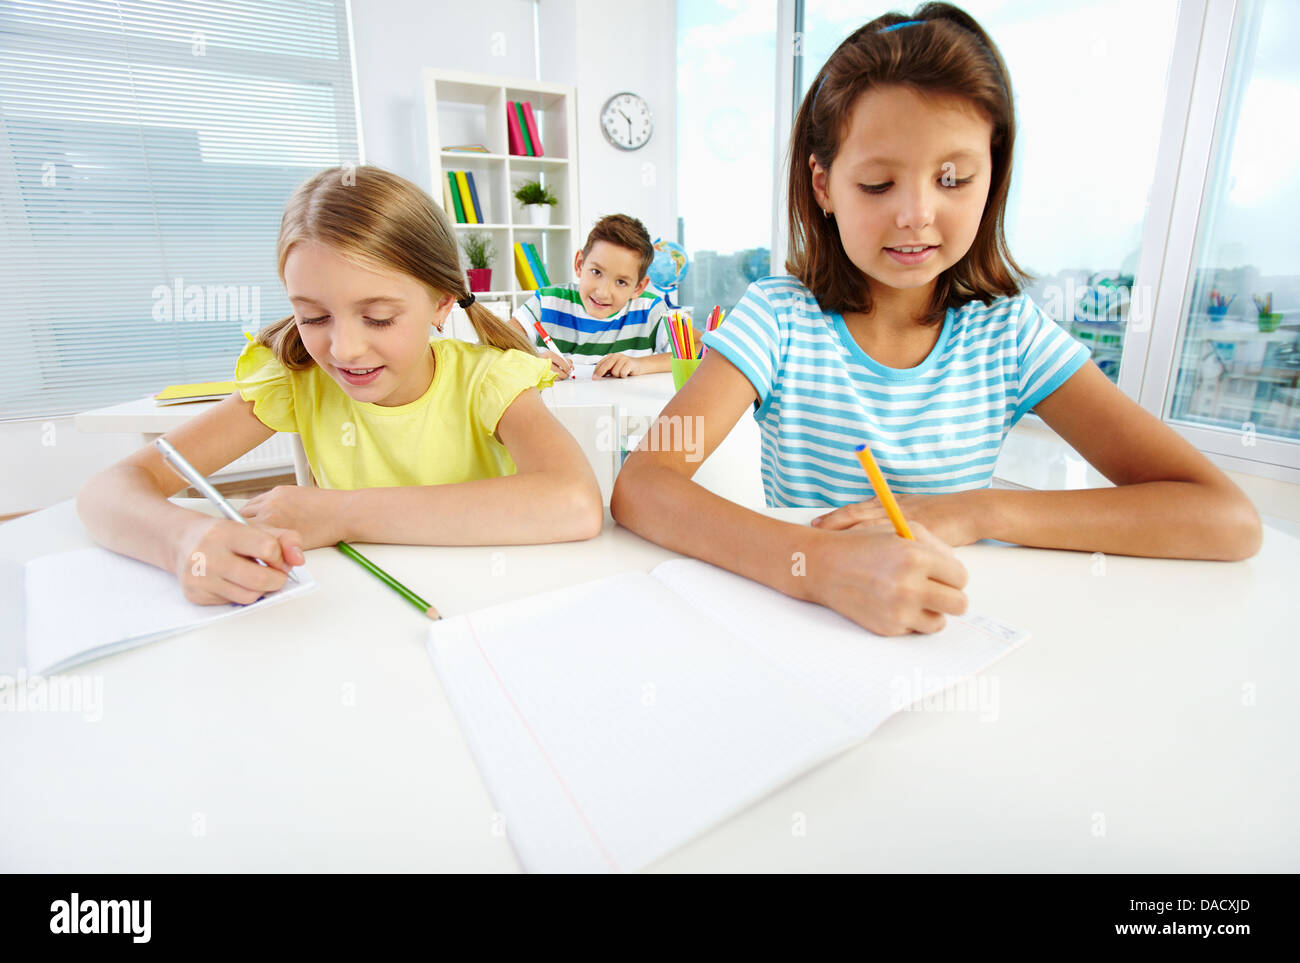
(536, 266)
(523, 273)
(456, 208)
(473, 194)
(531, 127)
(447, 204)
(523, 126)
(467, 149)
(466, 201)
(513, 132)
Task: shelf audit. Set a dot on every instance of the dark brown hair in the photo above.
(948, 54)
(381, 220)
(626, 232)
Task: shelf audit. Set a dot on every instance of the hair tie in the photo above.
(467, 300)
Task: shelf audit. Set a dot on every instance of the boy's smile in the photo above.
(608, 277)
(368, 330)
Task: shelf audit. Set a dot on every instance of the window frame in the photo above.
(1206, 35)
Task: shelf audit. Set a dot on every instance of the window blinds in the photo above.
(147, 149)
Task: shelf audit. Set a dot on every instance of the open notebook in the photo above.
(615, 720)
(91, 602)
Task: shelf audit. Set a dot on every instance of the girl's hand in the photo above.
(560, 364)
(954, 517)
(216, 561)
(887, 583)
(313, 513)
(618, 366)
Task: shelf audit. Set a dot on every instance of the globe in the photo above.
(669, 268)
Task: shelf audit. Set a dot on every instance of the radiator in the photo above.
(272, 457)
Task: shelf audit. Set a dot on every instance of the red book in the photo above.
(532, 128)
(512, 129)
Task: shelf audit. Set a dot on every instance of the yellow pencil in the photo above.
(882, 491)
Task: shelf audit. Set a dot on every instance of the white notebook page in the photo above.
(611, 724)
(867, 677)
(613, 721)
(91, 602)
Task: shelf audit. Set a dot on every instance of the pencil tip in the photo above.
(432, 613)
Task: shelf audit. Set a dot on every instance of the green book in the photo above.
(535, 262)
(523, 129)
(455, 198)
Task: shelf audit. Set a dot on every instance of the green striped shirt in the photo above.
(639, 329)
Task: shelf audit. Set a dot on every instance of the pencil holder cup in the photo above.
(1217, 311)
(683, 368)
(1269, 322)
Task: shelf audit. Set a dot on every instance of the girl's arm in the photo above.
(1170, 501)
(125, 508)
(553, 497)
(884, 583)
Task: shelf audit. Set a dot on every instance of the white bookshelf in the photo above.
(469, 108)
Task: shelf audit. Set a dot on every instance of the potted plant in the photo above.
(478, 249)
(538, 200)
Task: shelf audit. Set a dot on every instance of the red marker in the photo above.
(546, 338)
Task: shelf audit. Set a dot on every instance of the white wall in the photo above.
(394, 40)
(47, 460)
(599, 48)
(605, 49)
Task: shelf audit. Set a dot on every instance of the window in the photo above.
(146, 152)
(726, 75)
(1088, 79)
(1239, 345)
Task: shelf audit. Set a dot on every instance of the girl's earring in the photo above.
(826, 214)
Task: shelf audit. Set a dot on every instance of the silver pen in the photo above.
(203, 486)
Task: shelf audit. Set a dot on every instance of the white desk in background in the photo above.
(732, 471)
(1148, 726)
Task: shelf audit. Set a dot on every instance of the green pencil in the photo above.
(388, 580)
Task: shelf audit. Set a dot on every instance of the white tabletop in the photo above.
(1148, 726)
(641, 395)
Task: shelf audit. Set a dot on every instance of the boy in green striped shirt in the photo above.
(606, 313)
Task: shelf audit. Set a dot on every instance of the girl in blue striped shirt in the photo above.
(902, 325)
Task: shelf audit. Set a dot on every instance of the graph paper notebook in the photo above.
(615, 720)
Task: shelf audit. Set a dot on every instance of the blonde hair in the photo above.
(378, 218)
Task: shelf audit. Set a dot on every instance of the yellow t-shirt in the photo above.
(444, 436)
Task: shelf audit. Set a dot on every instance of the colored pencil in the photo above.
(388, 580)
(882, 491)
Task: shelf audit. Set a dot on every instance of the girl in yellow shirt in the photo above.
(411, 439)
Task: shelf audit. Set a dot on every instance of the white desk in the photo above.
(732, 471)
(315, 735)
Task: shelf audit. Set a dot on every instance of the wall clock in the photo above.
(626, 122)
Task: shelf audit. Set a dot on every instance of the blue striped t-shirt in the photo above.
(934, 428)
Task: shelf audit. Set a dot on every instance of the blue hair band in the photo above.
(899, 26)
(892, 26)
